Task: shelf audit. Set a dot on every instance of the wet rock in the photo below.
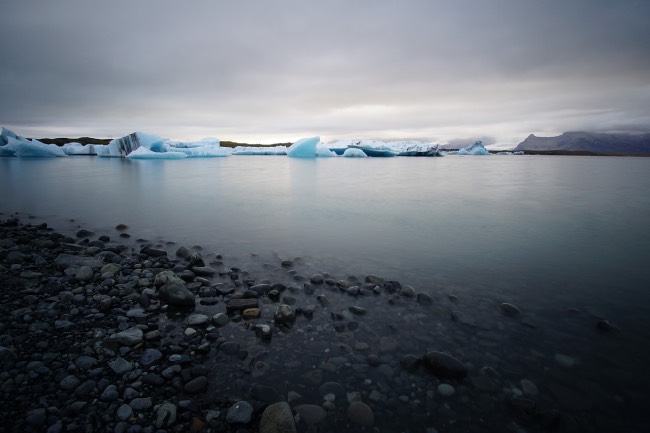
(7, 358)
(182, 252)
(204, 271)
(409, 362)
(110, 393)
(153, 252)
(529, 388)
(264, 393)
(284, 314)
(251, 313)
(120, 366)
(175, 292)
(239, 413)
(324, 300)
(150, 357)
(445, 390)
(140, 404)
(124, 412)
(65, 261)
(196, 385)
(129, 337)
(263, 332)
(407, 291)
(357, 310)
(241, 304)
(36, 417)
(220, 319)
(361, 414)
(444, 365)
(84, 273)
(165, 415)
(197, 319)
(523, 406)
(277, 418)
(317, 279)
(509, 309)
(375, 280)
(334, 388)
(69, 382)
(310, 413)
(424, 299)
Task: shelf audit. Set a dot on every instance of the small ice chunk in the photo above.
(354, 153)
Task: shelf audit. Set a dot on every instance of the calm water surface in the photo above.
(566, 239)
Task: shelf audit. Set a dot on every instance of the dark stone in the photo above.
(409, 362)
(444, 365)
(240, 304)
(153, 252)
(196, 385)
(424, 299)
(266, 394)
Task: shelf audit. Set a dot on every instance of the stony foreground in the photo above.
(98, 336)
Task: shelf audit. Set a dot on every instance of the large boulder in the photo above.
(444, 365)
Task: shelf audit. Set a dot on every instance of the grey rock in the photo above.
(120, 366)
(197, 319)
(150, 357)
(317, 279)
(110, 393)
(69, 382)
(175, 292)
(509, 309)
(277, 418)
(239, 413)
(444, 365)
(141, 404)
(373, 279)
(310, 413)
(241, 304)
(284, 314)
(64, 261)
(85, 362)
(165, 415)
(445, 390)
(196, 385)
(84, 273)
(361, 414)
(129, 337)
(424, 299)
(124, 412)
(220, 319)
(407, 291)
(204, 271)
(357, 310)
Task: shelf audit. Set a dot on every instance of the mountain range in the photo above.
(588, 142)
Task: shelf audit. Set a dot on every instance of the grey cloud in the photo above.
(442, 69)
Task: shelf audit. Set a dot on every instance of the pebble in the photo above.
(196, 385)
(361, 414)
(129, 337)
(239, 413)
(124, 412)
(311, 413)
(165, 415)
(150, 357)
(141, 404)
(220, 319)
(445, 390)
(197, 319)
(277, 418)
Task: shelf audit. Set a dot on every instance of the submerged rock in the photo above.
(361, 414)
(444, 365)
(277, 418)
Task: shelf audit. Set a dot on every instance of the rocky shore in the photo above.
(97, 335)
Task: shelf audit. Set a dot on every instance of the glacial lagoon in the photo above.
(564, 239)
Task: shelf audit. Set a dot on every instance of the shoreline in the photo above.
(178, 340)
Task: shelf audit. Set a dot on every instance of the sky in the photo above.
(275, 71)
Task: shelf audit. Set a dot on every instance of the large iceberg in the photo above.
(24, 148)
(304, 148)
(390, 148)
(123, 146)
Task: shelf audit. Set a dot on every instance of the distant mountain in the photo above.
(590, 142)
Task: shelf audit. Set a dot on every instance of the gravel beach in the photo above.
(107, 334)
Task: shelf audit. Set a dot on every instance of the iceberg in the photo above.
(125, 145)
(260, 150)
(24, 148)
(206, 148)
(323, 151)
(75, 148)
(475, 149)
(144, 153)
(5, 135)
(304, 148)
(354, 153)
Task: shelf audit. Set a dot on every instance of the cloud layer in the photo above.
(276, 71)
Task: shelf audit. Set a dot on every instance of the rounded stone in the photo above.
(310, 413)
(150, 357)
(361, 414)
(277, 418)
(239, 413)
(220, 319)
(196, 385)
(445, 390)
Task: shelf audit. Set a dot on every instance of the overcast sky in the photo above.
(275, 71)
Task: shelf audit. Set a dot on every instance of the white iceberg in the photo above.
(354, 153)
(206, 148)
(260, 150)
(75, 148)
(125, 145)
(144, 153)
(304, 148)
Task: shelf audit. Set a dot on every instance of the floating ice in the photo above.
(354, 153)
(144, 153)
(260, 150)
(78, 149)
(127, 144)
(304, 148)
(206, 148)
(323, 151)
(475, 149)
(24, 148)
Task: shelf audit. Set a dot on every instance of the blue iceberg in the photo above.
(475, 149)
(304, 148)
(23, 148)
(354, 153)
